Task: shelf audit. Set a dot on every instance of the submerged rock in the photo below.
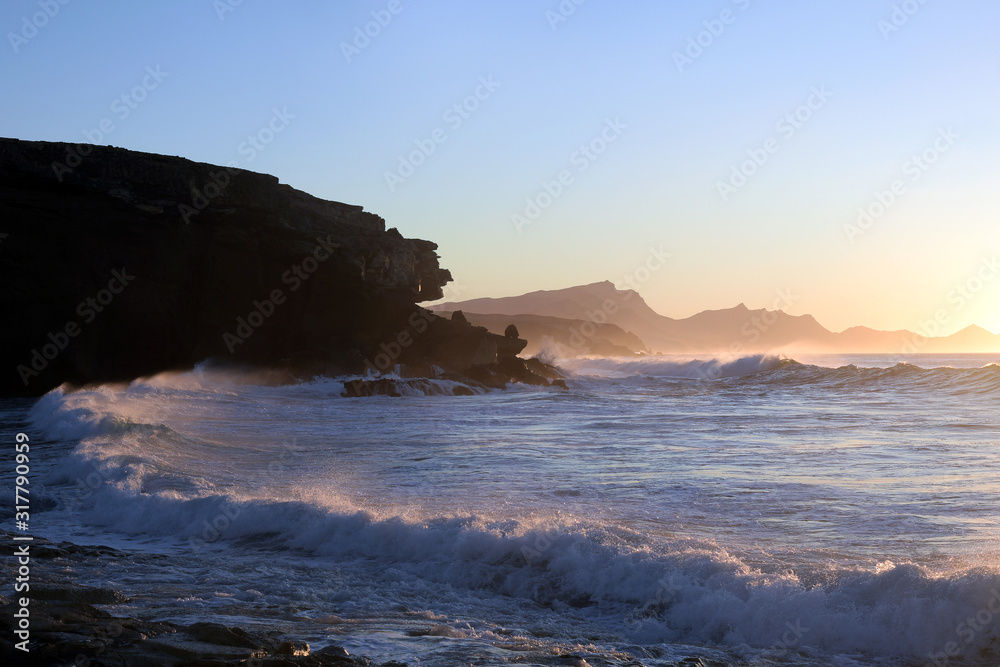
(515, 369)
(380, 387)
(456, 386)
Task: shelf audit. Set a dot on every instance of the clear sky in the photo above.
(741, 137)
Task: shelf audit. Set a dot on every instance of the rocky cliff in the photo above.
(116, 264)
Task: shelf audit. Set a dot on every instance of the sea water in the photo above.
(816, 511)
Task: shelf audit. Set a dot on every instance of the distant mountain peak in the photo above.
(974, 331)
(757, 329)
(605, 287)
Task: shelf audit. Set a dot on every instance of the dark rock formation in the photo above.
(458, 316)
(510, 331)
(397, 387)
(509, 347)
(540, 368)
(116, 264)
(517, 370)
(67, 628)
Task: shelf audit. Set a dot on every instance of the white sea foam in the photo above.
(194, 459)
(672, 367)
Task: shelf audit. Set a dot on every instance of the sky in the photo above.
(832, 158)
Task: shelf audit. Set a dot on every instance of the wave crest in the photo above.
(672, 367)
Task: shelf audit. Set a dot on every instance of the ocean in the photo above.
(812, 511)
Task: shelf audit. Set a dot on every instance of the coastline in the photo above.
(401, 548)
(264, 277)
(71, 624)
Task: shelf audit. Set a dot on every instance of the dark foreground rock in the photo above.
(514, 369)
(69, 631)
(117, 264)
(67, 628)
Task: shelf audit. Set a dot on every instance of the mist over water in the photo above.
(814, 511)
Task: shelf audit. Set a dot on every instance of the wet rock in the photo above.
(580, 601)
(509, 347)
(78, 594)
(379, 387)
(412, 387)
(488, 375)
(215, 633)
(539, 367)
(332, 651)
(516, 369)
(293, 648)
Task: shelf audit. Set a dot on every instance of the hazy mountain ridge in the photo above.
(732, 330)
(566, 337)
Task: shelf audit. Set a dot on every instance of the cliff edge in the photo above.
(116, 264)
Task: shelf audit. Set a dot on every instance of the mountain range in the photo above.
(602, 320)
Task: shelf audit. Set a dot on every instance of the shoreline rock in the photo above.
(68, 627)
(128, 264)
(475, 380)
